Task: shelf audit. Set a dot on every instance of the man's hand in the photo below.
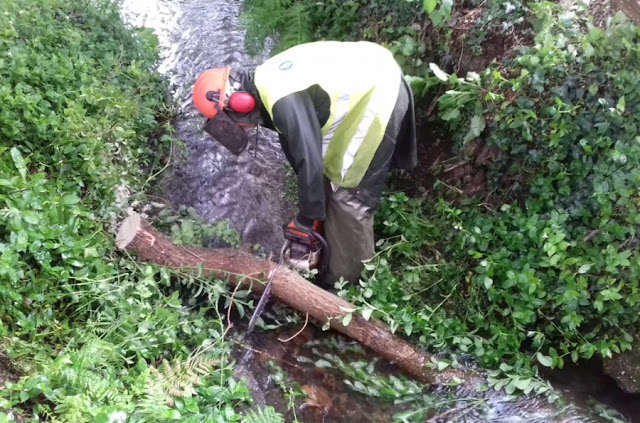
(300, 230)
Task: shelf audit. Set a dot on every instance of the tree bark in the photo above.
(288, 288)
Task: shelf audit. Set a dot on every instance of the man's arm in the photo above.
(295, 118)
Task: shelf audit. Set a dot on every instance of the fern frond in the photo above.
(179, 379)
(288, 21)
(153, 402)
(265, 415)
(72, 408)
(299, 29)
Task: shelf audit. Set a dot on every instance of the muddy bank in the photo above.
(631, 8)
(587, 382)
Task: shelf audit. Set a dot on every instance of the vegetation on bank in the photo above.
(538, 268)
(540, 265)
(97, 336)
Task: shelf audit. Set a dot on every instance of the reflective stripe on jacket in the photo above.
(361, 80)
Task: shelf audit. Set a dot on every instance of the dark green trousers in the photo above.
(348, 227)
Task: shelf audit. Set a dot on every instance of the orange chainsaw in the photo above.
(302, 251)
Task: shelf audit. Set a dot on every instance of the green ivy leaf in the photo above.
(584, 268)
(347, 309)
(488, 282)
(522, 384)
(442, 364)
(91, 252)
(477, 126)
(439, 73)
(429, 5)
(408, 47)
(450, 114)
(322, 363)
(545, 360)
(366, 313)
(31, 217)
(18, 161)
(347, 319)
(588, 50)
(70, 199)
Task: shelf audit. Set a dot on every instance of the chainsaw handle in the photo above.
(324, 259)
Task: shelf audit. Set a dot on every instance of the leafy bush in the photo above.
(77, 110)
(396, 24)
(79, 100)
(545, 268)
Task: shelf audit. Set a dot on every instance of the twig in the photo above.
(627, 242)
(457, 190)
(460, 59)
(306, 321)
(487, 206)
(592, 234)
(169, 162)
(457, 165)
(229, 310)
(443, 301)
(434, 102)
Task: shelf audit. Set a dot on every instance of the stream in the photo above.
(316, 376)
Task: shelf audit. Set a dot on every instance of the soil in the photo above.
(497, 45)
(631, 8)
(465, 171)
(462, 172)
(434, 147)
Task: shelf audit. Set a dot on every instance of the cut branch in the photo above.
(288, 288)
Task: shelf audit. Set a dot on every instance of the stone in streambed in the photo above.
(624, 368)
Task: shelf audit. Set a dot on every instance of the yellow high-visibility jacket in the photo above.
(331, 102)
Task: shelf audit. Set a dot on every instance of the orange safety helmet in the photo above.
(210, 91)
(210, 98)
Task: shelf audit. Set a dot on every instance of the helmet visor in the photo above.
(226, 132)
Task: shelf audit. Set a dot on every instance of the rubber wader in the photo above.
(349, 223)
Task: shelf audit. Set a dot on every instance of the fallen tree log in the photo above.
(288, 288)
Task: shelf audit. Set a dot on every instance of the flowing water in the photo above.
(325, 377)
(247, 190)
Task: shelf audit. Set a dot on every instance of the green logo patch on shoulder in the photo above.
(286, 65)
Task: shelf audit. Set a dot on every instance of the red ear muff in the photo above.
(242, 102)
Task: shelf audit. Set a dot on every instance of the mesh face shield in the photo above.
(226, 132)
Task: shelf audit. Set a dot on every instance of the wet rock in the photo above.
(318, 398)
(624, 368)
